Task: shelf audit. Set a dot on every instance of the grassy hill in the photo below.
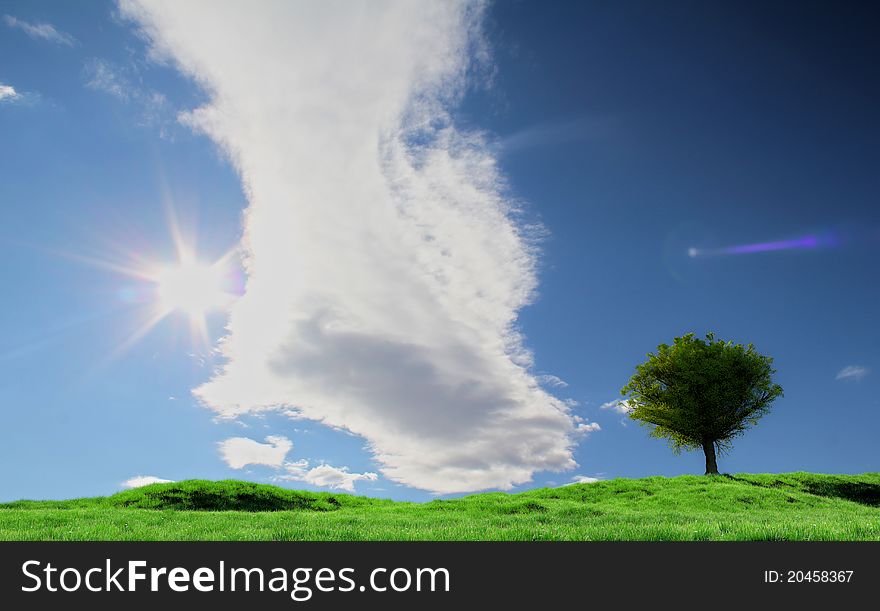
(794, 506)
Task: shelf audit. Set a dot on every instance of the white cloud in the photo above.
(40, 31)
(239, 452)
(552, 381)
(325, 475)
(852, 372)
(583, 427)
(8, 93)
(584, 479)
(144, 480)
(386, 264)
(618, 405)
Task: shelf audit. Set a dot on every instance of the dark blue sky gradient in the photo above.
(670, 125)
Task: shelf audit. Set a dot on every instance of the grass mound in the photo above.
(226, 495)
(791, 506)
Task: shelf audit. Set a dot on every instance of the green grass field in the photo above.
(794, 506)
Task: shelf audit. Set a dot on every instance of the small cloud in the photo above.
(618, 405)
(105, 77)
(144, 480)
(582, 427)
(852, 372)
(238, 452)
(325, 476)
(8, 93)
(552, 380)
(41, 31)
(583, 479)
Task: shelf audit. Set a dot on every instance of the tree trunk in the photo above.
(709, 451)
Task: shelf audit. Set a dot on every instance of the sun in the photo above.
(192, 288)
(187, 287)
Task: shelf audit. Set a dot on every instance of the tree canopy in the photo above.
(700, 393)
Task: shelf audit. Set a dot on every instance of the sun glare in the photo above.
(192, 288)
(186, 285)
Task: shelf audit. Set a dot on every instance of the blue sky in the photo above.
(630, 133)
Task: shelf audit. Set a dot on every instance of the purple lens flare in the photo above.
(807, 242)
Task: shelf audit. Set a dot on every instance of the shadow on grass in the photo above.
(863, 493)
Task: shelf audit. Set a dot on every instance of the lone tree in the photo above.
(701, 393)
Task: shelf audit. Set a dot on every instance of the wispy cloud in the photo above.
(238, 452)
(41, 31)
(152, 106)
(144, 480)
(103, 76)
(386, 263)
(617, 405)
(8, 93)
(852, 372)
(555, 133)
(324, 475)
(552, 381)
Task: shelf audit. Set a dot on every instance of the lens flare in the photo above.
(186, 286)
(807, 242)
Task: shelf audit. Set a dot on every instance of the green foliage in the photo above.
(701, 391)
(793, 506)
(228, 495)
